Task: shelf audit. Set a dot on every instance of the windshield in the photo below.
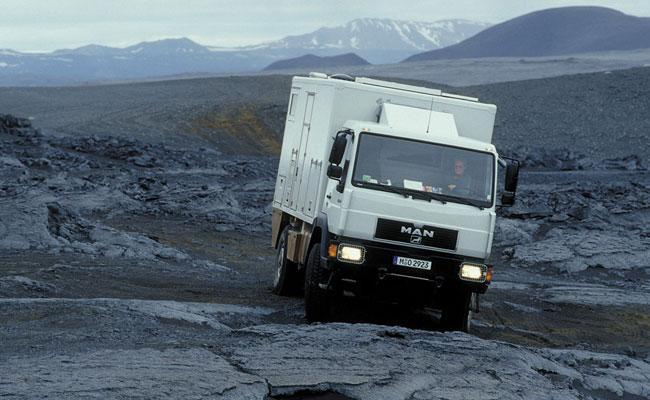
(422, 169)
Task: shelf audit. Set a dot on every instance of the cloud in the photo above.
(47, 25)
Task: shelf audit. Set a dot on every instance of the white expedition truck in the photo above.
(386, 191)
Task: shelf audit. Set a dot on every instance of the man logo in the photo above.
(416, 239)
(416, 232)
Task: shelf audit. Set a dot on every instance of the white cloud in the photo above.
(47, 25)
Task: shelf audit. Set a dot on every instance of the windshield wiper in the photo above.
(415, 194)
(386, 188)
(454, 199)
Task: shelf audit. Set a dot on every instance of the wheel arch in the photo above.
(320, 234)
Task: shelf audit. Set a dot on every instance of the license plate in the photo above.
(411, 262)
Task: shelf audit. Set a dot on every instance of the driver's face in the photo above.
(459, 167)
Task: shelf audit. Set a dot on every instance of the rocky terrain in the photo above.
(135, 257)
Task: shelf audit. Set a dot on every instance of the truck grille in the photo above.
(422, 235)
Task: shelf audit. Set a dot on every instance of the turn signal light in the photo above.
(331, 250)
(488, 275)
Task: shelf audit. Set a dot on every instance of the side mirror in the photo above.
(334, 171)
(512, 176)
(338, 149)
(510, 183)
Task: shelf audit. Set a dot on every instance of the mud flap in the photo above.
(474, 303)
(321, 223)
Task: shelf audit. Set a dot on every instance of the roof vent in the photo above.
(414, 119)
(319, 75)
(343, 77)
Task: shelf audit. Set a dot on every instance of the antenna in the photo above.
(430, 115)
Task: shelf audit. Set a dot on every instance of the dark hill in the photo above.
(312, 61)
(567, 30)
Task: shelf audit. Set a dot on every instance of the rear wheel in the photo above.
(286, 280)
(317, 300)
(456, 314)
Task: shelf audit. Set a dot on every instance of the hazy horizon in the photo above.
(46, 27)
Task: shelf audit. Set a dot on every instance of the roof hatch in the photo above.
(418, 120)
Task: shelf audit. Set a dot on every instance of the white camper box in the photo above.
(319, 106)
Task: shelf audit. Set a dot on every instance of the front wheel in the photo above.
(456, 313)
(286, 280)
(317, 300)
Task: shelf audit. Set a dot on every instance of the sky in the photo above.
(46, 25)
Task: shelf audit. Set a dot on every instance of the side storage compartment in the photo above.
(287, 157)
(300, 150)
(306, 143)
(311, 194)
(279, 189)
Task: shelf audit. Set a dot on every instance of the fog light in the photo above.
(351, 254)
(472, 272)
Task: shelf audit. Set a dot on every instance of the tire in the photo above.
(317, 300)
(285, 282)
(456, 314)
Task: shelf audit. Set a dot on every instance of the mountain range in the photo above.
(377, 40)
(380, 41)
(551, 32)
(556, 31)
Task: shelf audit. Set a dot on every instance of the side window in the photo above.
(293, 104)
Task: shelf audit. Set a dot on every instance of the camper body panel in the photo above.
(303, 160)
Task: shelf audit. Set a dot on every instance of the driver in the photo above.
(459, 182)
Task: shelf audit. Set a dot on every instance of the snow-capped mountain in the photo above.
(376, 40)
(382, 41)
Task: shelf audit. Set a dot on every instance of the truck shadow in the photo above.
(355, 310)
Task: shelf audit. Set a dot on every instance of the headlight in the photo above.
(351, 254)
(472, 272)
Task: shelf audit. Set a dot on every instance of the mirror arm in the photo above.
(344, 177)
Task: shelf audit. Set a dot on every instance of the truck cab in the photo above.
(387, 191)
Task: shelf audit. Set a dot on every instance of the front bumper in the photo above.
(378, 276)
